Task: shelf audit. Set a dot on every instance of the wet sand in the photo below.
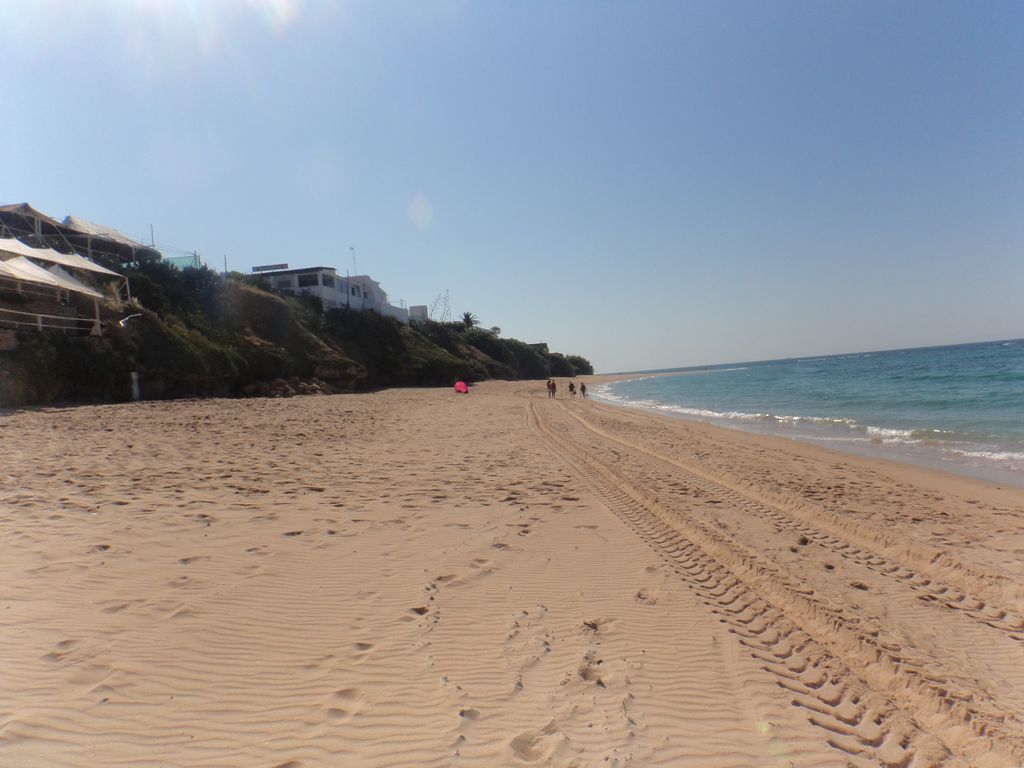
(413, 577)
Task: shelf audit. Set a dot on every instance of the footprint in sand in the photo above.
(345, 704)
(320, 662)
(532, 746)
(61, 650)
(598, 626)
(362, 651)
(645, 598)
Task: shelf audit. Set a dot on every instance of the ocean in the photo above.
(959, 408)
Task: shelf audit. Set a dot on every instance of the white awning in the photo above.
(98, 230)
(15, 247)
(20, 268)
(69, 280)
(72, 260)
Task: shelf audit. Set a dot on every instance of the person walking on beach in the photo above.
(554, 388)
(551, 388)
(583, 390)
(572, 389)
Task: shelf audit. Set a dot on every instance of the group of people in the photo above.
(553, 389)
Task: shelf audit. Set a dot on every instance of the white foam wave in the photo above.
(882, 432)
(926, 444)
(891, 436)
(1012, 456)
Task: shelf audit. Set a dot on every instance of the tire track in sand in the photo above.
(971, 657)
(941, 579)
(874, 703)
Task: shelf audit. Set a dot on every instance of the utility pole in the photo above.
(355, 269)
(225, 265)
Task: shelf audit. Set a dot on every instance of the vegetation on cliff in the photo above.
(196, 333)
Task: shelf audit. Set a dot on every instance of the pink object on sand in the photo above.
(461, 388)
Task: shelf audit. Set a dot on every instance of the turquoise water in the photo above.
(959, 408)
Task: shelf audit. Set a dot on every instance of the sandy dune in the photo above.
(414, 578)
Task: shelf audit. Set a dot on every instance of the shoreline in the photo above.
(913, 454)
(421, 578)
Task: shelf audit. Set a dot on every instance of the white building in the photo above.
(336, 291)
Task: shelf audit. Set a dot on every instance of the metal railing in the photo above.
(24, 320)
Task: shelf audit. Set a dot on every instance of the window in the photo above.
(327, 280)
(355, 290)
(283, 282)
(308, 280)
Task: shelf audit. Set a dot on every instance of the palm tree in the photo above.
(469, 320)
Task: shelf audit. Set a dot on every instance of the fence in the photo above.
(10, 318)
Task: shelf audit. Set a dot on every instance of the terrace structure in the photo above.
(93, 241)
(42, 289)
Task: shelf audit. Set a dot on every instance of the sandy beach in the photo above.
(416, 578)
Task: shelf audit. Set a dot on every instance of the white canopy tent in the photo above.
(21, 270)
(14, 246)
(69, 283)
(24, 270)
(90, 228)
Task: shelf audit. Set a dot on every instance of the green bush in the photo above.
(580, 365)
(199, 333)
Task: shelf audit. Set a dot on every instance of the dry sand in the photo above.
(415, 578)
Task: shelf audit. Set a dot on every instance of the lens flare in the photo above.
(421, 211)
(278, 15)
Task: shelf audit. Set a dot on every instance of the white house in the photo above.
(336, 291)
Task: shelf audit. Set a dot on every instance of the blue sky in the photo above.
(649, 184)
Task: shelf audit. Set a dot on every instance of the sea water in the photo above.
(959, 408)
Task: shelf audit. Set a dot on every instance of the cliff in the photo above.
(198, 334)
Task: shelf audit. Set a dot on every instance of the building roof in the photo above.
(72, 234)
(294, 271)
(26, 210)
(98, 230)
